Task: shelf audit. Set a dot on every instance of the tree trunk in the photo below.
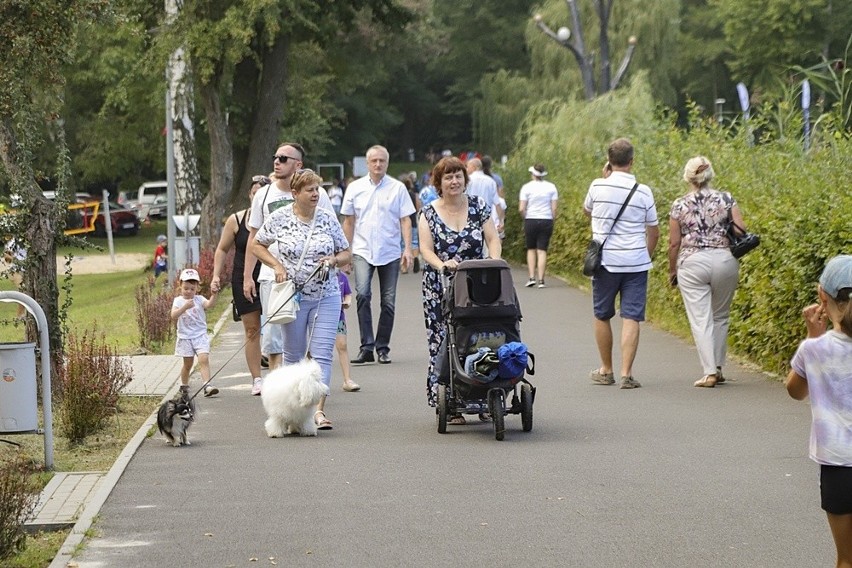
(584, 59)
(188, 194)
(269, 112)
(221, 166)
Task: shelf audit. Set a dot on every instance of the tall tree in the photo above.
(220, 35)
(766, 38)
(36, 41)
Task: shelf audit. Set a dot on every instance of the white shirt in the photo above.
(825, 362)
(538, 194)
(193, 322)
(626, 247)
(266, 200)
(378, 209)
(484, 186)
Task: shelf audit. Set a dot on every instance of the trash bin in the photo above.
(18, 389)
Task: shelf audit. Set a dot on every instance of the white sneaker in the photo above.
(210, 390)
(256, 386)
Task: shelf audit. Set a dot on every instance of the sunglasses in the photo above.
(262, 180)
(283, 159)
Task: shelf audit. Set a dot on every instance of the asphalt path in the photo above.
(667, 475)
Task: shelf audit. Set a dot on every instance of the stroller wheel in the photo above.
(495, 404)
(443, 409)
(526, 407)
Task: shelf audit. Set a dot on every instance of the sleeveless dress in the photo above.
(240, 243)
(449, 244)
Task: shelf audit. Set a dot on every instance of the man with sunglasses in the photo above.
(376, 210)
(286, 161)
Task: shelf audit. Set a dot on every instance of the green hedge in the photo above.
(800, 204)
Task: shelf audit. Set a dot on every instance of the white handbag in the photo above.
(283, 302)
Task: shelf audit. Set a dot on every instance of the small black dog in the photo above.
(175, 417)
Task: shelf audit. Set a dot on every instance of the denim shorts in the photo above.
(631, 286)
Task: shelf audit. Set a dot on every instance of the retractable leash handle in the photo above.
(321, 268)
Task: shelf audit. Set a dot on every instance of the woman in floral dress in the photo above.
(452, 229)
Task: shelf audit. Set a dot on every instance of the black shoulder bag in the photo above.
(741, 244)
(594, 252)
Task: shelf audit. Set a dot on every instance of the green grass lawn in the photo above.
(105, 300)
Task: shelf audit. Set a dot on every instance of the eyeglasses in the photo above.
(283, 159)
(262, 180)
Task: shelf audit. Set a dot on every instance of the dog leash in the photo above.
(321, 269)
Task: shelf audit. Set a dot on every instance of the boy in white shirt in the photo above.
(189, 311)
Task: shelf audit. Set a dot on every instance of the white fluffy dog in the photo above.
(290, 395)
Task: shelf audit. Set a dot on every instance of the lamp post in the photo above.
(720, 104)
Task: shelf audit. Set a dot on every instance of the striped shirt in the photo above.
(626, 247)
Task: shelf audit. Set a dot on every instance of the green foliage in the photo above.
(18, 497)
(89, 383)
(765, 38)
(795, 200)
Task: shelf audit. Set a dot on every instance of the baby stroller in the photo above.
(482, 314)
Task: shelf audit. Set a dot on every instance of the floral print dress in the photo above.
(449, 245)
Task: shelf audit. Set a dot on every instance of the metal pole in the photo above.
(44, 344)
(170, 179)
(806, 112)
(108, 224)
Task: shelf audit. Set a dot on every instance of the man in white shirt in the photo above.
(376, 211)
(484, 186)
(630, 243)
(286, 161)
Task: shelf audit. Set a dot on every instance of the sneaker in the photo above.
(629, 383)
(541, 284)
(602, 378)
(210, 390)
(264, 362)
(530, 283)
(184, 388)
(256, 386)
(720, 378)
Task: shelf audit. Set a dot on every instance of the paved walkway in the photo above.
(665, 476)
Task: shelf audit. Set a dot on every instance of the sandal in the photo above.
(322, 422)
(457, 420)
(484, 417)
(707, 381)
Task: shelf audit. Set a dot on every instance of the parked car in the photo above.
(150, 200)
(124, 221)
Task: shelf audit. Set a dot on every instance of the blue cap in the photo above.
(837, 275)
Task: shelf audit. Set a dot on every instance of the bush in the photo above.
(205, 269)
(153, 309)
(795, 200)
(90, 383)
(18, 497)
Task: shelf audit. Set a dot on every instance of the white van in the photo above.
(150, 199)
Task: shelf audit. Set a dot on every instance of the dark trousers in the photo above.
(388, 276)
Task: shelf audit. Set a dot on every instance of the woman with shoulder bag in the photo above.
(307, 237)
(702, 266)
